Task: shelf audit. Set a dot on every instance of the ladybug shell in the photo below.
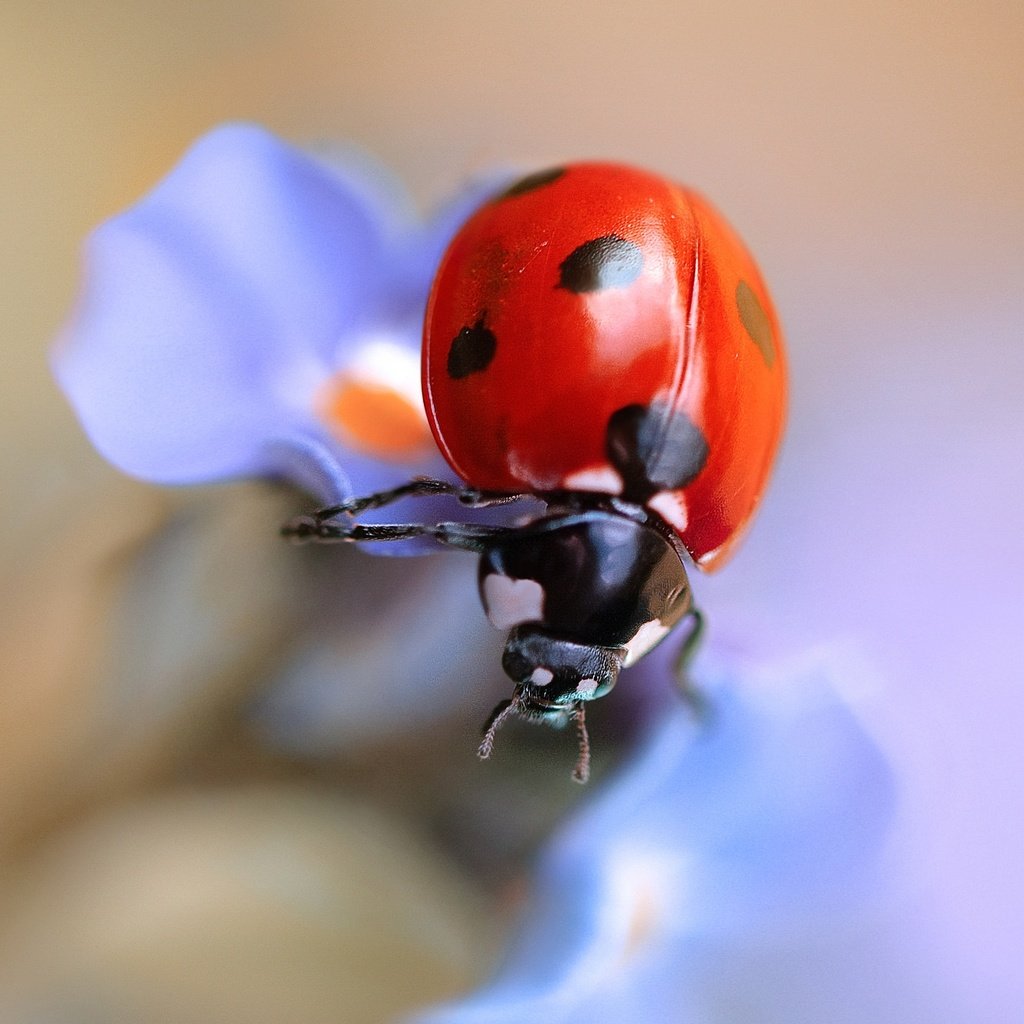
(597, 328)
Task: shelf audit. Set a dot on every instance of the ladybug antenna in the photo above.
(581, 772)
(504, 709)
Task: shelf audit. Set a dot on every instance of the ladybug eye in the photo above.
(516, 664)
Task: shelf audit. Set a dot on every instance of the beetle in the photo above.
(599, 338)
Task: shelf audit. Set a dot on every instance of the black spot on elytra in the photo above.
(606, 262)
(755, 321)
(532, 181)
(471, 351)
(654, 448)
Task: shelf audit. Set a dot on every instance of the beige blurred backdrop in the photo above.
(871, 154)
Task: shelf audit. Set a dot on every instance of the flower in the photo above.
(258, 314)
(730, 853)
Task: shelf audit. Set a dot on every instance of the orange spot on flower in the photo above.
(374, 419)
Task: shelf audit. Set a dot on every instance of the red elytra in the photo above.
(598, 328)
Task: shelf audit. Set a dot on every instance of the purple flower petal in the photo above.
(762, 824)
(211, 309)
(219, 312)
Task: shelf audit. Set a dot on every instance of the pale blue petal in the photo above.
(764, 820)
(211, 309)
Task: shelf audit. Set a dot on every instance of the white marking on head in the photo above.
(586, 688)
(541, 676)
(646, 638)
(671, 506)
(509, 602)
(602, 479)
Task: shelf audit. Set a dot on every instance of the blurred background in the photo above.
(180, 829)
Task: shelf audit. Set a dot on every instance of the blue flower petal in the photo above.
(764, 820)
(211, 309)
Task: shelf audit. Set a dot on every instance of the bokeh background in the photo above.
(180, 829)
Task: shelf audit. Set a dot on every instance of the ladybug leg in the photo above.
(487, 499)
(476, 537)
(421, 486)
(312, 528)
(681, 666)
(466, 536)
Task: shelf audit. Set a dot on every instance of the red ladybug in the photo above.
(599, 338)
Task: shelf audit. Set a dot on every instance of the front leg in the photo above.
(419, 487)
(465, 536)
(681, 667)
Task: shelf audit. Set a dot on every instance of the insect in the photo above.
(599, 338)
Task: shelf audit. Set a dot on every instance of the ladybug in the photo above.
(598, 338)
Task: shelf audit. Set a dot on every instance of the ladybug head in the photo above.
(554, 677)
(552, 674)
